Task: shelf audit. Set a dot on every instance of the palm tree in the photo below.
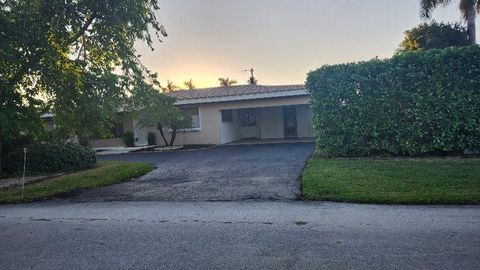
(189, 84)
(170, 87)
(468, 8)
(252, 80)
(226, 81)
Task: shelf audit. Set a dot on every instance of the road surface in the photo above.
(238, 235)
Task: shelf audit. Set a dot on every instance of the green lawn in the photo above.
(106, 173)
(393, 181)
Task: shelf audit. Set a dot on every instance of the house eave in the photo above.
(242, 97)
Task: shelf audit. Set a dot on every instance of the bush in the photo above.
(129, 139)
(151, 138)
(48, 157)
(413, 104)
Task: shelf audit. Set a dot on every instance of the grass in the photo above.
(393, 181)
(106, 173)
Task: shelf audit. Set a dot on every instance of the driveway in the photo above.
(227, 173)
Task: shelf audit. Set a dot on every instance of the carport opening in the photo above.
(265, 123)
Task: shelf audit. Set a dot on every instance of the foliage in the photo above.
(189, 84)
(48, 157)
(393, 181)
(107, 173)
(170, 87)
(159, 110)
(468, 9)
(129, 139)
(151, 138)
(176, 120)
(252, 80)
(434, 36)
(75, 58)
(427, 6)
(413, 104)
(226, 82)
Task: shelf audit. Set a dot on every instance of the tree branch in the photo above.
(83, 29)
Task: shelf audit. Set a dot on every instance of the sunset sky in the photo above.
(281, 39)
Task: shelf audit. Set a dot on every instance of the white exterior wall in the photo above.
(230, 131)
(271, 120)
(250, 132)
(304, 122)
(140, 133)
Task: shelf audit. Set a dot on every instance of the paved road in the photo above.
(228, 173)
(238, 235)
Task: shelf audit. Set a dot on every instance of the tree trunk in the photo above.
(471, 25)
(160, 128)
(174, 134)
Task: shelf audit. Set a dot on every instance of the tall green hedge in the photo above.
(416, 103)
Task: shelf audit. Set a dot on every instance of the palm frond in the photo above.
(427, 6)
(466, 5)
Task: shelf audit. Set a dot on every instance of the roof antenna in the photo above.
(252, 80)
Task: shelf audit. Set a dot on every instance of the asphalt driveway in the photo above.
(227, 173)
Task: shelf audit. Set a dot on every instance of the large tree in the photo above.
(468, 8)
(75, 58)
(434, 35)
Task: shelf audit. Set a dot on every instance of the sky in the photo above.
(281, 39)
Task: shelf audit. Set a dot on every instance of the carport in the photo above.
(265, 123)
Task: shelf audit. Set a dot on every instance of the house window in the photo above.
(227, 116)
(194, 115)
(248, 117)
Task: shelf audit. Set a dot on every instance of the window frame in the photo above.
(227, 115)
(191, 129)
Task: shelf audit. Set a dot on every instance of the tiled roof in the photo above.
(234, 90)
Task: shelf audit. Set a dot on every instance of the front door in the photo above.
(290, 122)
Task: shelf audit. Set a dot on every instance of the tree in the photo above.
(78, 56)
(158, 110)
(226, 81)
(189, 84)
(468, 8)
(175, 121)
(434, 36)
(16, 117)
(252, 80)
(170, 87)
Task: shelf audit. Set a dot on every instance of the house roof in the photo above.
(240, 91)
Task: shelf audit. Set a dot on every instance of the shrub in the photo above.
(48, 157)
(412, 104)
(433, 35)
(151, 138)
(129, 139)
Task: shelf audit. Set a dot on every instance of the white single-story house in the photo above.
(226, 114)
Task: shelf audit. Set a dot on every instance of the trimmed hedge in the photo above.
(48, 157)
(416, 103)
